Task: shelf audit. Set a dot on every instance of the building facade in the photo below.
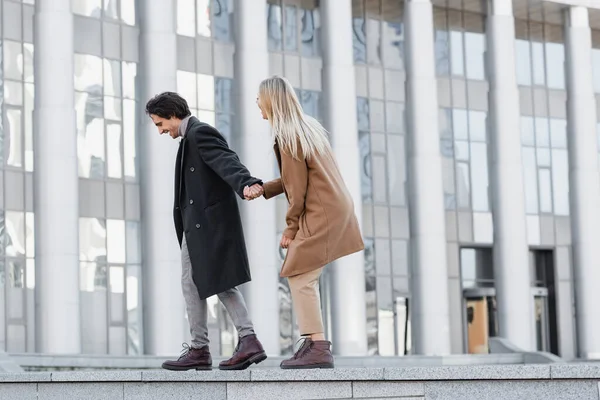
(466, 130)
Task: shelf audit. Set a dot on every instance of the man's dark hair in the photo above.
(167, 105)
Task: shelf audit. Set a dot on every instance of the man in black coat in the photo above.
(209, 229)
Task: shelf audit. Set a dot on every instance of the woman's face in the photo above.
(261, 106)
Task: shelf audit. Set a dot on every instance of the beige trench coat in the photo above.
(320, 219)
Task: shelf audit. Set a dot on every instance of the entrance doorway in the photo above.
(541, 264)
(482, 318)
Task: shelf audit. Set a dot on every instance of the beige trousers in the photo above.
(307, 301)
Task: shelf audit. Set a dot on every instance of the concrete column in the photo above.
(584, 179)
(511, 253)
(348, 274)
(164, 312)
(251, 67)
(430, 313)
(56, 191)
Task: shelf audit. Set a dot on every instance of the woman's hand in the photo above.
(285, 242)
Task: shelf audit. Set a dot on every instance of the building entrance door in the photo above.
(482, 320)
(541, 319)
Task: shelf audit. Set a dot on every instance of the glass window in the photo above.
(543, 157)
(542, 132)
(291, 28)
(112, 78)
(477, 126)
(13, 60)
(111, 9)
(14, 134)
(89, 8)
(128, 11)
(396, 170)
(545, 190)
(555, 65)
(113, 150)
(206, 92)
(475, 53)
(373, 41)
(537, 54)
(311, 31)
(311, 103)
(187, 87)
(90, 134)
(274, 27)
(560, 181)
(523, 57)
(134, 310)
(92, 240)
(88, 74)
(129, 73)
(186, 18)
(115, 241)
(14, 232)
(203, 17)
(379, 179)
(365, 166)
(393, 44)
(394, 115)
(362, 106)
(359, 40)
(224, 95)
(558, 133)
(28, 50)
(30, 234)
(479, 176)
(530, 178)
(112, 108)
(463, 189)
(460, 125)
(222, 17)
(13, 93)
(456, 55)
(129, 139)
(461, 150)
(527, 131)
(442, 53)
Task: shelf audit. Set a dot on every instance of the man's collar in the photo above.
(183, 126)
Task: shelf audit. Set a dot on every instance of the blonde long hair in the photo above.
(290, 125)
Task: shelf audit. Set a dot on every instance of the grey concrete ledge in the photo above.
(473, 372)
(214, 375)
(575, 371)
(25, 377)
(336, 374)
(97, 376)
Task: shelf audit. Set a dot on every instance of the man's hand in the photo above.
(254, 191)
(285, 242)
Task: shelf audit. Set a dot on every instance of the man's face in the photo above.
(170, 126)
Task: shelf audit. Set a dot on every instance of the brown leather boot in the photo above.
(312, 354)
(247, 352)
(191, 358)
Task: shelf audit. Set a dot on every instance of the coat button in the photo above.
(191, 201)
(192, 169)
(197, 226)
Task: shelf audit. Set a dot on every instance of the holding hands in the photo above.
(254, 191)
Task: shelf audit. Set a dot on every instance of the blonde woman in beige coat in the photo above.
(321, 223)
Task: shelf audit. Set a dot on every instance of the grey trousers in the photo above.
(197, 310)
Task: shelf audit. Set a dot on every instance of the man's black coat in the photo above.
(207, 176)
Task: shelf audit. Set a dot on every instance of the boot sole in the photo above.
(255, 359)
(312, 366)
(197, 368)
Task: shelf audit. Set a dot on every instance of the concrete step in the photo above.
(506, 382)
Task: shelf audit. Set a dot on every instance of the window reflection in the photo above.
(442, 53)
(129, 139)
(274, 27)
(88, 73)
(14, 135)
(28, 75)
(14, 233)
(128, 11)
(362, 108)
(224, 95)
(113, 151)
(117, 279)
(542, 133)
(460, 124)
(393, 44)
(456, 53)
(90, 133)
(129, 73)
(311, 103)
(134, 310)
(291, 28)
(92, 239)
(203, 17)
(527, 131)
(555, 65)
(30, 234)
(545, 190)
(206, 92)
(560, 181)
(28, 126)
(92, 277)
(223, 125)
(463, 186)
(558, 133)
(111, 9)
(394, 117)
(311, 30)
(365, 166)
(479, 176)
(112, 108)
(222, 17)
(186, 18)
(187, 87)
(16, 279)
(475, 53)
(112, 78)
(359, 40)
(537, 55)
(373, 41)
(13, 57)
(477, 125)
(523, 57)
(530, 177)
(89, 8)
(13, 93)
(396, 170)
